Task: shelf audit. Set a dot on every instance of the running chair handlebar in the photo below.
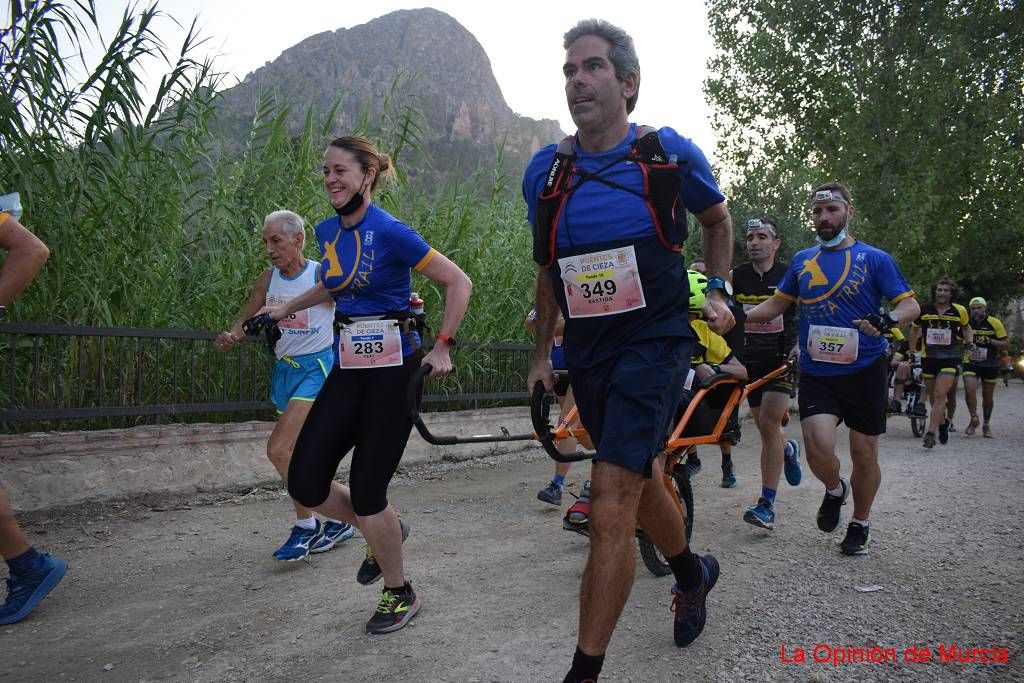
(542, 427)
(412, 396)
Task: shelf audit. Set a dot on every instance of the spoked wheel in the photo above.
(653, 559)
(917, 422)
(917, 425)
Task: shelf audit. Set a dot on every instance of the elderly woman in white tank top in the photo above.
(305, 356)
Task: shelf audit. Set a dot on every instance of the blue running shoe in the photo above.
(728, 476)
(791, 456)
(762, 515)
(298, 545)
(25, 592)
(690, 606)
(552, 494)
(334, 533)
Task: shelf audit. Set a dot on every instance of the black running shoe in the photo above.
(828, 513)
(691, 606)
(857, 539)
(728, 476)
(369, 571)
(944, 432)
(394, 610)
(929, 440)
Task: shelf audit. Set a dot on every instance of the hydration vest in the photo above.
(661, 192)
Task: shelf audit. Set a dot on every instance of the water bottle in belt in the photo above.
(415, 304)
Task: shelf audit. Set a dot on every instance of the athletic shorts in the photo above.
(299, 378)
(931, 367)
(984, 373)
(858, 399)
(359, 411)
(758, 368)
(626, 404)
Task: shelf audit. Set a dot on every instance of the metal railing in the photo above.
(68, 377)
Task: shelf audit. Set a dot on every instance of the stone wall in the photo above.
(49, 469)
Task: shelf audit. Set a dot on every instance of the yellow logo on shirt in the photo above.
(335, 269)
(817, 276)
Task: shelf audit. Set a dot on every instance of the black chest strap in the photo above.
(661, 179)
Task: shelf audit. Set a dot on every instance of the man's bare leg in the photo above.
(611, 564)
(867, 475)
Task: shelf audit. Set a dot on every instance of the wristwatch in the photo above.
(720, 283)
(450, 341)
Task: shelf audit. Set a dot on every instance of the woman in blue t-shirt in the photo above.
(367, 258)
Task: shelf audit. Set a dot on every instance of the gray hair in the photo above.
(622, 53)
(291, 222)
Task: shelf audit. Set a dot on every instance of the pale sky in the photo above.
(522, 39)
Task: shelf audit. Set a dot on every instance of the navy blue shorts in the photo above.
(627, 403)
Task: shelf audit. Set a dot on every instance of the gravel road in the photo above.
(184, 588)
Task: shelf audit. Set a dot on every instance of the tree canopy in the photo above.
(916, 106)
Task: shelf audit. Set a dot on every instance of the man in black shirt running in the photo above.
(766, 345)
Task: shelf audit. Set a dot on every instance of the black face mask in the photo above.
(352, 205)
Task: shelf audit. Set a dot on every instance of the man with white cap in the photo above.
(982, 363)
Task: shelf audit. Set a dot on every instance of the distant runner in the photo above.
(983, 364)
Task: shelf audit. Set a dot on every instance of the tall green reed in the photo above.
(153, 221)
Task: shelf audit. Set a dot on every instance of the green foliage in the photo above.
(917, 107)
(490, 241)
(153, 222)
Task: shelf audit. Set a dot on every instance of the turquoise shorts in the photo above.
(299, 378)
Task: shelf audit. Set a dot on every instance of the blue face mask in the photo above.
(835, 241)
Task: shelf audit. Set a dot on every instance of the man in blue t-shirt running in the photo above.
(838, 286)
(610, 260)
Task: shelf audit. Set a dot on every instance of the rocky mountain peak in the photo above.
(446, 75)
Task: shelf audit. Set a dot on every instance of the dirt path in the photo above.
(185, 588)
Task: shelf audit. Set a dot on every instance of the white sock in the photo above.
(336, 521)
(862, 522)
(837, 491)
(306, 523)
